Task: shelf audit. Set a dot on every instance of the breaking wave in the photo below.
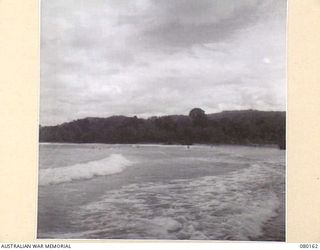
(113, 164)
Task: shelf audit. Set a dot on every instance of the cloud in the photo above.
(149, 57)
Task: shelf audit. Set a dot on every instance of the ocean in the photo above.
(101, 191)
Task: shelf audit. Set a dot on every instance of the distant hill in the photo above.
(227, 127)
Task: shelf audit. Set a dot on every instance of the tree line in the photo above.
(227, 127)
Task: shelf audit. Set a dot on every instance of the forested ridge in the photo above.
(228, 127)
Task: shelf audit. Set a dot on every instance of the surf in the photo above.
(113, 164)
(233, 206)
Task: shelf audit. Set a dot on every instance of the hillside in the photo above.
(227, 127)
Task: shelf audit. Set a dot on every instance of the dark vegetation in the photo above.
(249, 127)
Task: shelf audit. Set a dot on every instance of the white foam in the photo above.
(169, 224)
(113, 164)
(231, 207)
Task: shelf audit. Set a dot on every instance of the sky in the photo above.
(160, 57)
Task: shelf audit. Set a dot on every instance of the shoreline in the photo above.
(163, 144)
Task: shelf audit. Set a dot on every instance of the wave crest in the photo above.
(113, 164)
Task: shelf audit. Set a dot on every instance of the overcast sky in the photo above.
(157, 57)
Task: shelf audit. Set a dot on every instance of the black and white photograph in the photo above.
(162, 120)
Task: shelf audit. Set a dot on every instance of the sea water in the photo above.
(97, 191)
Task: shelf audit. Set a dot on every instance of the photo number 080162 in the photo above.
(162, 120)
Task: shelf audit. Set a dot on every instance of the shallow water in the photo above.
(161, 192)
